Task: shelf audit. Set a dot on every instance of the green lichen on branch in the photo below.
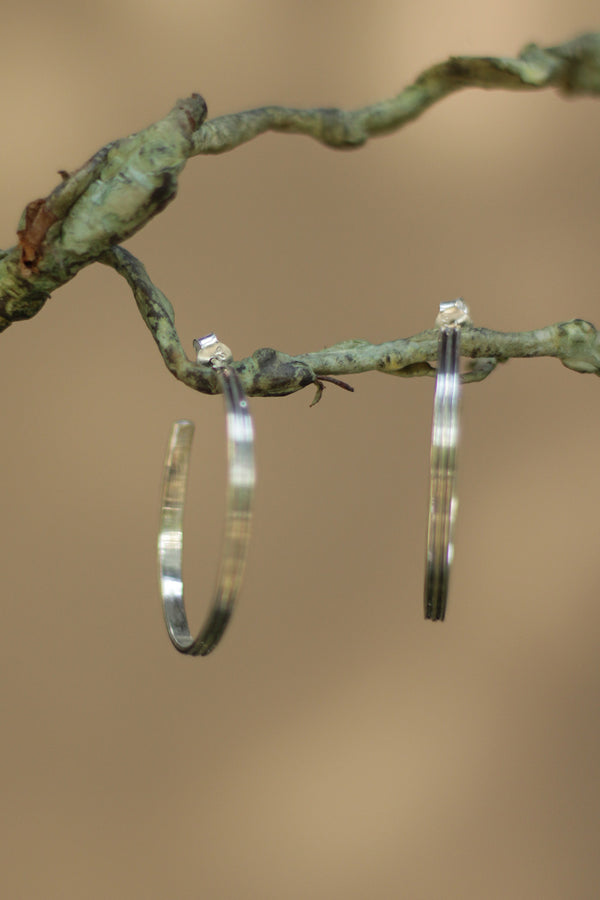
(113, 195)
(271, 373)
(572, 68)
(128, 181)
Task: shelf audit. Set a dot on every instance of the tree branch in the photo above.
(127, 182)
(572, 68)
(271, 373)
(104, 202)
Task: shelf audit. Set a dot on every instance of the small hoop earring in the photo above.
(240, 492)
(443, 502)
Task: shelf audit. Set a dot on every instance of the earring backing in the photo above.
(240, 492)
(443, 502)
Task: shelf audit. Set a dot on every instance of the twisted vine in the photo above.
(129, 181)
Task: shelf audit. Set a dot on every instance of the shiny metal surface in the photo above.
(443, 502)
(240, 491)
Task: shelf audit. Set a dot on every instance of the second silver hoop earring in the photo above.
(240, 492)
(443, 502)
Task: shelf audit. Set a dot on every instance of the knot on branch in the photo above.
(270, 373)
(579, 346)
(108, 199)
(341, 128)
(193, 109)
(581, 72)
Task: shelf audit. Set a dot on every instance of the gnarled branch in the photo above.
(129, 181)
(573, 68)
(271, 373)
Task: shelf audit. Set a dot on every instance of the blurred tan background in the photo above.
(335, 745)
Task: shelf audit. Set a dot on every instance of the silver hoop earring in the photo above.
(240, 492)
(443, 502)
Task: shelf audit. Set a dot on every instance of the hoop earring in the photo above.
(443, 502)
(240, 491)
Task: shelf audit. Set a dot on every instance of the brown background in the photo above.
(336, 745)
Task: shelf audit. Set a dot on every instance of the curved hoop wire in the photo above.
(240, 492)
(443, 502)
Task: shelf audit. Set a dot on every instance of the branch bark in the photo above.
(129, 181)
(271, 373)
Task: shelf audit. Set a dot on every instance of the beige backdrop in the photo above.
(336, 745)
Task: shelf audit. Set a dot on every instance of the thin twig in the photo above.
(271, 373)
(572, 68)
